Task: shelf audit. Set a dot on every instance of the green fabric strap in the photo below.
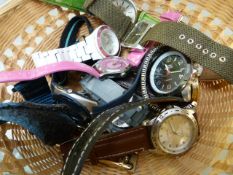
(196, 45)
(110, 15)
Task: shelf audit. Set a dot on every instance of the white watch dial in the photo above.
(176, 133)
(128, 7)
(109, 42)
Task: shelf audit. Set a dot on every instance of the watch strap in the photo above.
(110, 15)
(84, 144)
(123, 98)
(26, 75)
(69, 37)
(50, 123)
(194, 44)
(36, 91)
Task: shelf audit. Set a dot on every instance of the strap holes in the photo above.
(205, 51)
(199, 46)
(213, 55)
(222, 59)
(190, 41)
(182, 37)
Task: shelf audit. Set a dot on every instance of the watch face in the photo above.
(109, 42)
(169, 72)
(113, 65)
(128, 8)
(176, 133)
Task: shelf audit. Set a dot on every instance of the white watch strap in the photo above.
(80, 52)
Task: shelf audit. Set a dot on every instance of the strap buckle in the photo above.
(140, 29)
(128, 163)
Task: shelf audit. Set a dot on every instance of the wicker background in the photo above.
(28, 26)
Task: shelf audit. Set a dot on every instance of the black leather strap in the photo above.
(86, 141)
(50, 123)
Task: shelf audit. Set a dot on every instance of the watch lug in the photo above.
(187, 93)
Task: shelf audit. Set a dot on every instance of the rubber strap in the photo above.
(68, 38)
(83, 146)
(26, 75)
(196, 45)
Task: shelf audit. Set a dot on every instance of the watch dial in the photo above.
(109, 42)
(169, 72)
(128, 8)
(176, 134)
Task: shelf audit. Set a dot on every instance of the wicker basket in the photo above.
(28, 26)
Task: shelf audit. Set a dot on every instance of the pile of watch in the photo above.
(143, 101)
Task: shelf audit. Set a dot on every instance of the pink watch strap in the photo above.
(135, 56)
(24, 75)
(171, 16)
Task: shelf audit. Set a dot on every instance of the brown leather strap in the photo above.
(116, 145)
(119, 144)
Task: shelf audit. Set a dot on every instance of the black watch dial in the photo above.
(169, 72)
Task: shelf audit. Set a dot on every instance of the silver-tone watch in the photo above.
(175, 130)
(167, 72)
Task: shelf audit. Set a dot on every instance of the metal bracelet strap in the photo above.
(83, 146)
(110, 15)
(196, 45)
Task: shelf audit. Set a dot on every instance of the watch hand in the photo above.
(172, 128)
(178, 71)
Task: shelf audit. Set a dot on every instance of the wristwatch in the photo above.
(100, 44)
(195, 45)
(129, 23)
(85, 143)
(167, 72)
(71, 4)
(99, 90)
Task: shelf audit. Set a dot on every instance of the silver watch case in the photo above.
(165, 114)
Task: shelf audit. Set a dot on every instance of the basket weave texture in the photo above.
(28, 26)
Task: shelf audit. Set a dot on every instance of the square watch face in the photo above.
(137, 33)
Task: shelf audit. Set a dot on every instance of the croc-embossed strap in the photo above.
(83, 146)
(196, 45)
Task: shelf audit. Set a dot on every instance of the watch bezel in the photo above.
(148, 62)
(155, 64)
(99, 42)
(112, 73)
(157, 122)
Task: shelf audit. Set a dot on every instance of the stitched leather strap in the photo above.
(196, 45)
(86, 141)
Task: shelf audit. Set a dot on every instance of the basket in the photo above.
(28, 26)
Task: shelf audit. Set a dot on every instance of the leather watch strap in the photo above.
(50, 123)
(122, 143)
(196, 45)
(110, 15)
(83, 146)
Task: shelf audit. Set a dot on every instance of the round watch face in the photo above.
(109, 42)
(113, 65)
(176, 133)
(169, 72)
(128, 8)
